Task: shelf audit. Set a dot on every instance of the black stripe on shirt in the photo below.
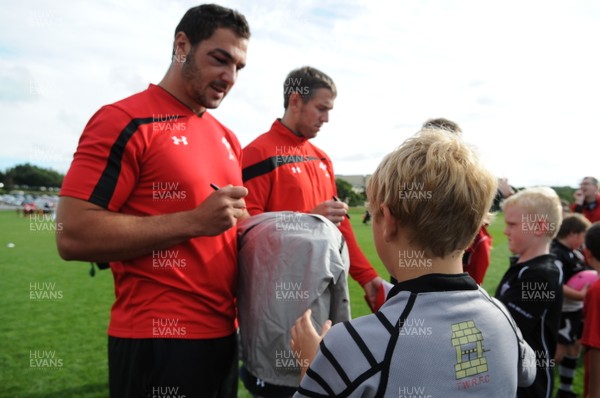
(334, 362)
(361, 344)
(384, 321)
(269, 164)
(387, 361)
(320, 381)
(105, 188)
(345, 393)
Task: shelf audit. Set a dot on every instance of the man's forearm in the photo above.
(100, 235)
(90, 233)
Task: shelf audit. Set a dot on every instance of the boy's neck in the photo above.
(540, 249)
(404, 261)
(414, 268)
(565, 242)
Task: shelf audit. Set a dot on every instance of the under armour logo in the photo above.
(296, 170)
(260, 383)
(177, 141)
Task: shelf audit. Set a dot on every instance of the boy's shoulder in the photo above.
(544, 264)
(558, 249)
(545, 269)
(434, 321)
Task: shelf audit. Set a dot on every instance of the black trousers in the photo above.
(174, 368)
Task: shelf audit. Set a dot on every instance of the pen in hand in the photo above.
(216, 188)
(338, 200)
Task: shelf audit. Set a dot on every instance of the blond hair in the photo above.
(540, 204)
(436, 187)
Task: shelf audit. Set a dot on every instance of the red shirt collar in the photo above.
(280, 128)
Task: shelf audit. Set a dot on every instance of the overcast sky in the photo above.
(520, 77)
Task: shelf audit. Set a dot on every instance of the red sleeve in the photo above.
(361, 269)
(591, 324)
(479, 261)
(259, 188)
(105, 142)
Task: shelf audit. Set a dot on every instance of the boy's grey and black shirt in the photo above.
(436, 335)
(571, 262)
(532, 292)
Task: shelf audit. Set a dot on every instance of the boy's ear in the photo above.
(542, 227)
(390, 224)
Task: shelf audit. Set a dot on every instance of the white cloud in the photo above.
(521, 78)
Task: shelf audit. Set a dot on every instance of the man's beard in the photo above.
(193, 79)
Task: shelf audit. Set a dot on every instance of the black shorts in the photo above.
(157, 368)
(571, 327)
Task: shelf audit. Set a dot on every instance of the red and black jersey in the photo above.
(591, 210)
(284, 172)
(147, 155)
(591, 326)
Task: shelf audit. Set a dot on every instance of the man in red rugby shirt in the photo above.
(587, 199)
(142, 194)
(284, 171)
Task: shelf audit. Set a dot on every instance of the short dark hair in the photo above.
(200, 22)
(442, 124)
(574, 223)
(592, 240)
(306, 81)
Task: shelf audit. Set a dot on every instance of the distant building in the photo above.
(358, 182)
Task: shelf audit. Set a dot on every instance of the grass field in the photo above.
(53, 326)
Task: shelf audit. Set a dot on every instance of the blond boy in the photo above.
(531, 288)
(438, 330)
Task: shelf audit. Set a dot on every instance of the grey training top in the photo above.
(288, 262)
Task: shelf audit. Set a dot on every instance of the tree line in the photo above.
(30, 177)
(353, 198)
(33, 177)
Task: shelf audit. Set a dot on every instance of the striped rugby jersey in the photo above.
(436, 336)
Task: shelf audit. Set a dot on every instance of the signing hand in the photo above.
(333, 210)
(220, 211)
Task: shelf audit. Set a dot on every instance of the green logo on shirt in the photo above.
(467, 340)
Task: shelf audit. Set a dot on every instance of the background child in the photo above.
(591, 326)
(531, 288)
(438, 330)
(565, 248)
(476, 259)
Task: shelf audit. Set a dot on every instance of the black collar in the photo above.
(435, 283)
